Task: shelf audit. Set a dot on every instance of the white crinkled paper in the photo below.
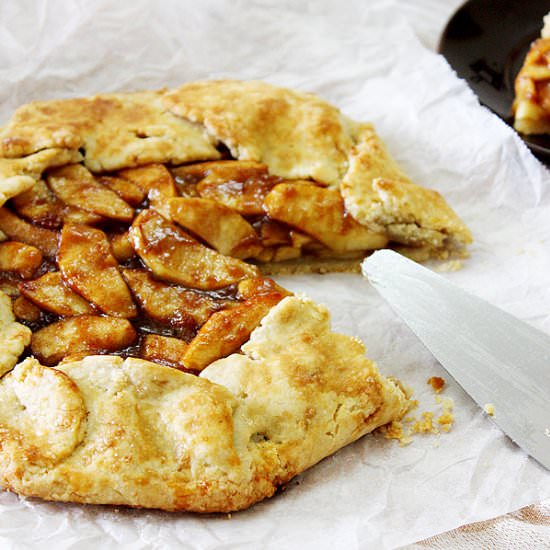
(366, 59)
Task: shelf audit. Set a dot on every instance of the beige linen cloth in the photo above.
(529, 527)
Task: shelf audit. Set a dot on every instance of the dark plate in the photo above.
(485, 42)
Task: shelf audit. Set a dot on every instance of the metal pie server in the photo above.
(496, 358)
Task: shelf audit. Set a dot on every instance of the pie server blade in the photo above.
(495, 357)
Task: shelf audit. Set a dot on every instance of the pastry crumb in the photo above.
(489, 408)
(446, 419)
(436, 383)
(396, 430)
(451, 265)
(429, 422)
(425, 425)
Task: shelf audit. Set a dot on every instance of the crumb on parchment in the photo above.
(449, 266)
(429, 422)
(436, 383)
(489, 408)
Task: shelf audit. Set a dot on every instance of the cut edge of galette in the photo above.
(136, 233)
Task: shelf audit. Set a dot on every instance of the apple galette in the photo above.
(147, 359)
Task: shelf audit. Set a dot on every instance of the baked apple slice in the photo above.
(76, 186)
(20, 230)
(320, 212)
(170, 305)
(19, 258)
(260, 286)
(227, 330)
(125, 189)
(164, 350)
(187, 177)
(50, 293)
(73, 214)
(121, 247)
(285, 253)
(221, 170)
(25, 310)
(89, 268)
(85, 333)
(173, 255)
(153, 179)
(273, 233)
(40, 206)
(221, 227)
(240, 185)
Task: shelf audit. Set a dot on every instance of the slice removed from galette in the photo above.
(147, 360)
(531, 107)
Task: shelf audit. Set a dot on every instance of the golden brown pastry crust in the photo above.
(296, 135)
(378, 194)
(111, 130)
(17, 175)
(108, 430)
(14, 337)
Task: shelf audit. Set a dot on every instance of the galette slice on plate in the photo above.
(531, 106)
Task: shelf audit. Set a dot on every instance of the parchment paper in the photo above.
(365, 58)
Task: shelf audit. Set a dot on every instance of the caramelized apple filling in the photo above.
(148, 261)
